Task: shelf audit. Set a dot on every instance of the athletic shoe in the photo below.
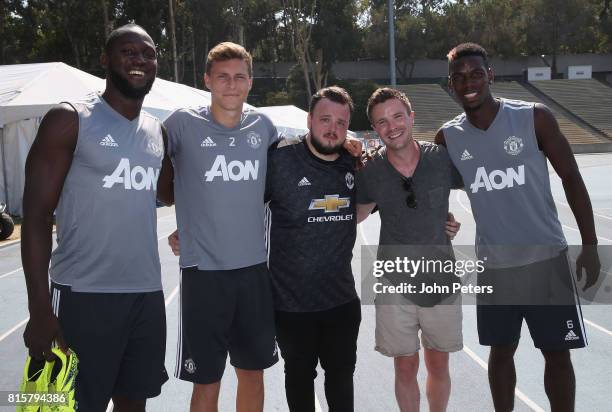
(35, 380)
(61, 380)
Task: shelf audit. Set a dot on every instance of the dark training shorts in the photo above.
(120, 340)
(545, 297)
(225, 311)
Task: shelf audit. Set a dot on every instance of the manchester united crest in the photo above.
(253, 139)
(513, 145)
(350, 180)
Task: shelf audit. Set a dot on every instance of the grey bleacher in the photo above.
(432, 106)
(574, 133)
(588, 99)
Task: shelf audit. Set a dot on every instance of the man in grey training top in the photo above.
(97, 163)
(220, 158)
(501, 148)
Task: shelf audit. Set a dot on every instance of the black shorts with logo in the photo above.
(225, 311)
(120, 341)
(544, 294)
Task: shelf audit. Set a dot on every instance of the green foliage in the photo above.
(73, 31)
(296, 88)
(360, 91)
(277, 99)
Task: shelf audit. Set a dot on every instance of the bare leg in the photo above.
(438, 380)
(250, 396)
(559, 380)
(502, 376)
(205, 397)
(123, 404)
(406, 385)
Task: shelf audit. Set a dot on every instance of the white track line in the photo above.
(565, 226)
(13, 329)
(169, 300)
(531, 404)
(588, 322)
(23, 322)
(11, 272)
(598, 327)
(19, 240)
(519, 394)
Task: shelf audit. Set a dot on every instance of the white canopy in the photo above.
(289, 120)
(28, 91)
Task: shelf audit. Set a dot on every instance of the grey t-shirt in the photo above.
(219, 186)
(379, 182)
(413, 233)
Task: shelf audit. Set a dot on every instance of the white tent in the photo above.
(28, 91)
(290, 121)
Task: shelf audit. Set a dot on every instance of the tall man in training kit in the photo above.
(97, 163)
(500, 147)
(220, 157)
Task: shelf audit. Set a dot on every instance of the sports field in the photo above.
(374, 374)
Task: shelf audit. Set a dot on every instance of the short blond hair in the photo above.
(227, 51)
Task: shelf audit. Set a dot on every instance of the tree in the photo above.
(560, 26)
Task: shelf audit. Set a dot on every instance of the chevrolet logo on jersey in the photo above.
(331, 203)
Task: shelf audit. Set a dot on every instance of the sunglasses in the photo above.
(411, 200)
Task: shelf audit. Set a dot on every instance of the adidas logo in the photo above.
(466, 155)
(108, 141)
(304, 182)
(571, 336)
(208, 142)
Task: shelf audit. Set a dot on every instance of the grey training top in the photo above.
(106, 215)
(507, 181)
(219, 185)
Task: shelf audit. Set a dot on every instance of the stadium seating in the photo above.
(432, 106)
(588, 99)
(574, 133)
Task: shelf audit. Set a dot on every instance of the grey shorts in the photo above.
(398, 325)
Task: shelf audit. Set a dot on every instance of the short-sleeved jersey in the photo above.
(414, 233)
(219, 185)
(379, 182)
(312, 228)
(106, 215)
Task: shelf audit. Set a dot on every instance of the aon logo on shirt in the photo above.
(498, 179)
(137, 178)
(234, 170)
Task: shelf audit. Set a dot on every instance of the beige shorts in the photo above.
(398, 326)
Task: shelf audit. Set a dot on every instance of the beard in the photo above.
(126, 89)
(324, 150)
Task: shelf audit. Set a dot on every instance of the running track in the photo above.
(374, 374)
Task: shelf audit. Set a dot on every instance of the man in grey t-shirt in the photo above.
(409, 182)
